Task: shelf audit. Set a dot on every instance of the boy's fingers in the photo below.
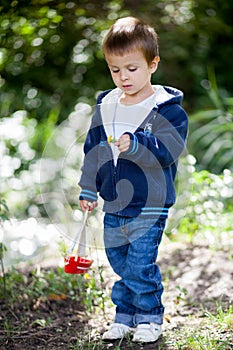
(91, 205)
(123, 143)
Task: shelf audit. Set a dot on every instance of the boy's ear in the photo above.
(154, 64)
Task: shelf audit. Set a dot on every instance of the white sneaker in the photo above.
(147, 333)
(116, 331)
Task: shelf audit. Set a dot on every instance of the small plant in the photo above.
(224, 319)
(4, 212)
(42, 322)
(62, 246)
(95, 295)
(181, 296)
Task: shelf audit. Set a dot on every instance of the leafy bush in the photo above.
(211, 131)
(4, 214)
(207, 212)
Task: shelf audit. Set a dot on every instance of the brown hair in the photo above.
(130, 33)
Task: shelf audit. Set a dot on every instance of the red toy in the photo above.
(74, 263)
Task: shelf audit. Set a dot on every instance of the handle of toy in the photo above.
(81, 240)
(79, 236)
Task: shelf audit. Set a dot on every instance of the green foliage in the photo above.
(41, 283)
(182, 296)
(211, 131)
(4, 212)
(50, 53)
(55, 284)
(192, 34)
(96, 296)
(32, 296)
(208, 211)
(223, 318)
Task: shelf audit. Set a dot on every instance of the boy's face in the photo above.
(132, 74)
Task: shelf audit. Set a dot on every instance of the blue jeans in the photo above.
(131, 246)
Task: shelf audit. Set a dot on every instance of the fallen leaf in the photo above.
(54, 296)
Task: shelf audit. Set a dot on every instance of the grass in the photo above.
(35, 301)
(215, 332)
(207, 339)
(224, 319)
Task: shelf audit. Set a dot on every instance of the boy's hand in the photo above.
(123, 143)
(85, 205)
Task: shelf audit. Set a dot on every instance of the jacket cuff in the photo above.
(88, 195)
(133, 148)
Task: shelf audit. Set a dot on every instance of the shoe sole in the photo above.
(146, 341)
(115, 338)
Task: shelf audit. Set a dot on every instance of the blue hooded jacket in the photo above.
(142, 181)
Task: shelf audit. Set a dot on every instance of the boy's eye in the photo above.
(118, 70)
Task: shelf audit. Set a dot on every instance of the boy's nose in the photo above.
(123, 76)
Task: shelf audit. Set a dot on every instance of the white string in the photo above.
(79, 234)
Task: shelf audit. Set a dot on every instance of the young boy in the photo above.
(137, 134)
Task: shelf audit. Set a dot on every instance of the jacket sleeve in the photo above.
(164, 145)
(89, 180)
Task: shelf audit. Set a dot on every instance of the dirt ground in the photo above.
(196, 279)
